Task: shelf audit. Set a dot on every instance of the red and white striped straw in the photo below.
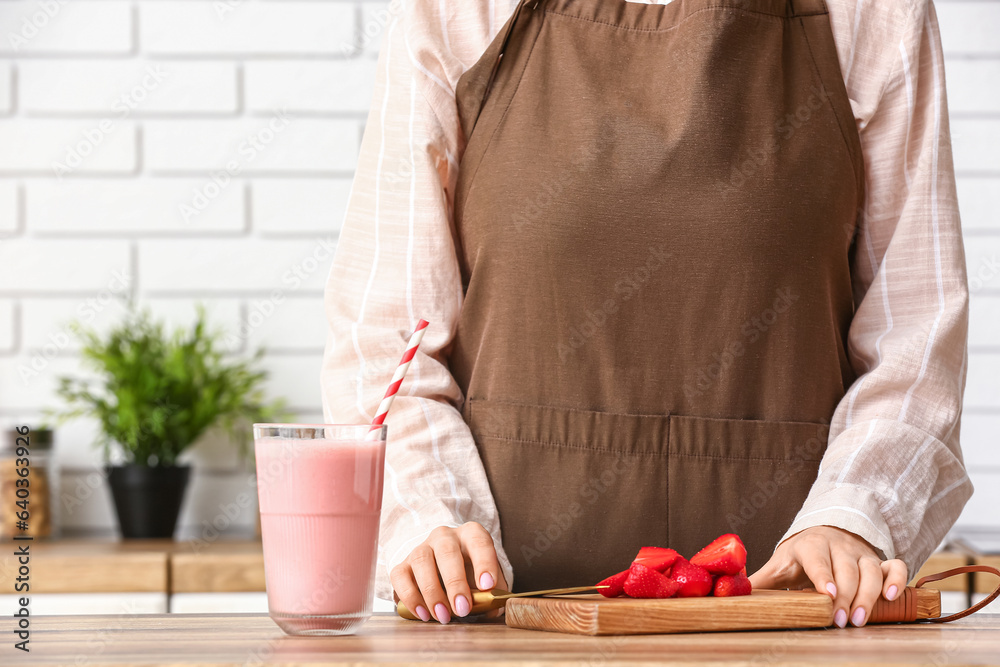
(397, 378)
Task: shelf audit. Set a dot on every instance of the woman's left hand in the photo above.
(837, 562)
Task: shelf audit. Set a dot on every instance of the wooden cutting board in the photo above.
(761, 610)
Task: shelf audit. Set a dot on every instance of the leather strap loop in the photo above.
(901, 610)
(951, 573)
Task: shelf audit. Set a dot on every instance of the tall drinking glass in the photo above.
(320, 491)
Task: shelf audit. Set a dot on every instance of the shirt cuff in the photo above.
(850, 507)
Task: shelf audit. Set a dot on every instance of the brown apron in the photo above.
(655, 212)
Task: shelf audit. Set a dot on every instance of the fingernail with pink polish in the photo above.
(486, 581)
(858, 617)
(422, 613)
(831, 588)
(840, 618)
(891, 593)
(461, 605)
(442, 615)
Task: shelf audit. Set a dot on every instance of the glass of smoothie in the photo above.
(320, 491)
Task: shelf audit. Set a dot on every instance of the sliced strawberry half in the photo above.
(615, 583)
(728, 585)
(657, 558)
(645, 582)
(693, 581)
(725, 555)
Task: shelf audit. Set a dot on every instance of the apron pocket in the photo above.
(578, 492)
(739, 476)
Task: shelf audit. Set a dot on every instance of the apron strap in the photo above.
(951, 573)
(508, 29)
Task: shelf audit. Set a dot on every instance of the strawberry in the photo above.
(728, 585)
(694, 581)
(725, 555)
(616, 583)
(657, 558)
(645, 582)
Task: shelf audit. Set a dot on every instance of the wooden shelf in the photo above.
(83, 566)
(986, 582)
(222, 568)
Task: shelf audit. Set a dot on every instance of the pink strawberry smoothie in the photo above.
(319, 506)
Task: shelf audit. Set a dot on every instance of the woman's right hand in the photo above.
(453, 556)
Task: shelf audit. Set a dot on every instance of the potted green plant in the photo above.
(154, 395)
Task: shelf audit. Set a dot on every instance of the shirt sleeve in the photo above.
(893, 471)
(396, 263)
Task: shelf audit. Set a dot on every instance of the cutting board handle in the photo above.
(951, 573)
(916, 603)
(912, 604)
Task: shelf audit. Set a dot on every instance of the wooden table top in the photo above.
(253, 639)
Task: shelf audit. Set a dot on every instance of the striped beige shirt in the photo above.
(893, 471)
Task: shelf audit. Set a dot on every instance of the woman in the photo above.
(691, 268)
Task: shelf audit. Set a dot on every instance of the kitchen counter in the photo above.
(252, 639)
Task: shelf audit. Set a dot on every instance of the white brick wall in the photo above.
(261, 28)
(309, 85)
(972, 54)
(145, 105)
(139, 206)
(8, 207)
(133, 86)
(33, 266)
(5, 89)
(299, 205)
(277, 143)
(177, 152)
(7, 339)
(60, 147)
(44, 27)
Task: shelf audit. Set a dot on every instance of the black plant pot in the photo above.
(148, 499)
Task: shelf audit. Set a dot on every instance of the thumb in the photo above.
(773, 574)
